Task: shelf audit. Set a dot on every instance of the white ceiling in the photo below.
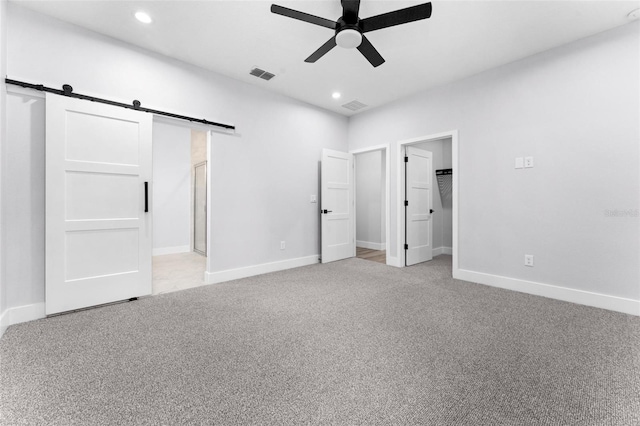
(460, 39)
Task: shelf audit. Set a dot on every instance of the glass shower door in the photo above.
(200, 209)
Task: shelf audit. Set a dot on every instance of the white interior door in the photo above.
(337, 206)
(98, 235)
(418, 208)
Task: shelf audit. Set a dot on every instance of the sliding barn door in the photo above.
(98, 235)
(337, 206)
(419, 196)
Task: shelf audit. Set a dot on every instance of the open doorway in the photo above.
(440, 208)
(179, 207)
(372, 204)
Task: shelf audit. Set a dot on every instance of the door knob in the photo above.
(325, 211)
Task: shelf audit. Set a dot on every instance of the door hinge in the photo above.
(406, 246)
(406, 159)
(406, 203)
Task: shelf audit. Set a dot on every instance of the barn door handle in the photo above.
(146, 197)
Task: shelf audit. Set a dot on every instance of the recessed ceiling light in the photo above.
(336, 95)
(143, 17)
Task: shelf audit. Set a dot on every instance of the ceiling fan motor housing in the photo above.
(348, 36)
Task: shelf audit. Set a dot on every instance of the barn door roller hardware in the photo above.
(67, 90)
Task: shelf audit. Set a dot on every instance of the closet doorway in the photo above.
(442, 207)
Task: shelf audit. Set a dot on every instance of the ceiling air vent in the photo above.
(257, 72)
(354, 105)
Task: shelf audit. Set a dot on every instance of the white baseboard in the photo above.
(581, 297)
(27, 313)
(171, 250)
(442, 250)
(4, 322)
(264, 268)
(19, 314)
(371, 246)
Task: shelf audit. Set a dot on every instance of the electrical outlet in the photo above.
(528, 162)
(282, 245)
(528, 260)
(519, 162)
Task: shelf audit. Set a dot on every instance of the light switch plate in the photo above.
(313, 199)
(519, 162)
(528, 162)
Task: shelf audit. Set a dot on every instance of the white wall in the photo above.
(262, 180)
(3, 130)
(171, 188)
(370, 200)
(574, 109)
(262, 176)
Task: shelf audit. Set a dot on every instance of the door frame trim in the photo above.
(400, 179)
(387, 197)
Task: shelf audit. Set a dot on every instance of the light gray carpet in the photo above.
(352, 342)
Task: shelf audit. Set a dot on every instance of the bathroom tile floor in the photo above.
(173, 272)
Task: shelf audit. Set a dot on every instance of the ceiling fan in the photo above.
(350, 28)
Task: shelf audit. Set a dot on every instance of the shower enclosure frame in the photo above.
(195, 207)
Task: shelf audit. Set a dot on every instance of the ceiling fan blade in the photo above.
(397, 17)
(330, 44)
(370, 52)
(301, 16)
(350, 9)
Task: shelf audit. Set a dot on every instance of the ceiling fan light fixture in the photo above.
(348, 38)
